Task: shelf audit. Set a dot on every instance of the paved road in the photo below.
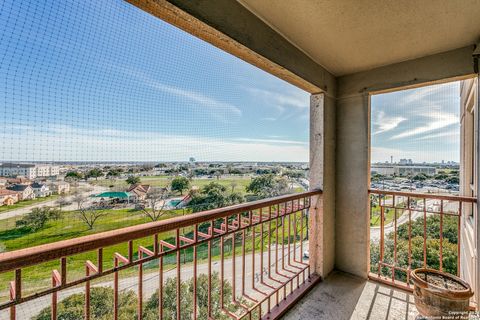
(150, 280)
(390, 227)
(24, 210)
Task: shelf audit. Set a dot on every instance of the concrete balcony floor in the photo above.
(342, 296)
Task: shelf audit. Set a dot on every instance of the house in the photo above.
(60, 187)
(3, 182)
(8, 197)
(19, 180)
(25, 191)
(139, 191)
(41, 190)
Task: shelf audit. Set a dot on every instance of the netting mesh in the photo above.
(105, 81)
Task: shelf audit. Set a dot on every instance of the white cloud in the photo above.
(65, 143)
(450, 135)
(290, 99)
(271, 141)
(386, 123)
(218, 109)
(433, 121)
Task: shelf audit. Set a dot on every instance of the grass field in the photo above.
(26, 203)
(238, 183)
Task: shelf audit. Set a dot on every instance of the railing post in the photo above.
(315, 213)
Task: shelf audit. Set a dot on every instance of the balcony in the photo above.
(247, 260)
(251, 257)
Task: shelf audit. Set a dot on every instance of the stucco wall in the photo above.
(352, 175)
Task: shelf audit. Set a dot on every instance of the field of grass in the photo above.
(239, 183)
(375, 217)
(26, 203)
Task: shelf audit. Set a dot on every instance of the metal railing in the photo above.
(271, 234)
(411, 230)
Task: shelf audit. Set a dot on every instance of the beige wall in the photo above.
(352, 175)
(322, 176)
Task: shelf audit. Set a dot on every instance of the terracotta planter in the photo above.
(438, 294)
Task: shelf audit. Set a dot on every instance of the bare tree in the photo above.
(79, 199)
(89, 213)
(62, 202)
(155, 203)
(233, 185)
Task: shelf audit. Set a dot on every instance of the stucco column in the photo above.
(322, 176)
(352, 225)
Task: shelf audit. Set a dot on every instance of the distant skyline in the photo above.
(104, 81)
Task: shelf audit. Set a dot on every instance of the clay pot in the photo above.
(438, 294)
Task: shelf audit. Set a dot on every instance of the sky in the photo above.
(420, 124)
(104, 81)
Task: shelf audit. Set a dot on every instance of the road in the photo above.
(150, 280)
(73, 206)
(390, 227)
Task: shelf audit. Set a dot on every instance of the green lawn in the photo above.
(375, 217)
(162, 181)
(26, 203)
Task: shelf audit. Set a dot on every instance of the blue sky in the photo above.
(102, 80)
(419, 124)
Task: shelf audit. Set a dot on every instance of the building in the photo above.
(405, 161)
(401, 171)
(383, 170)
(25, 191)
(469, 180)
(18, 170)
(8, 197)
(41, 190)
(60, 187)
(139, 191)
(29, 171)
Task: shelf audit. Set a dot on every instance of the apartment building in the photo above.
(29, 171)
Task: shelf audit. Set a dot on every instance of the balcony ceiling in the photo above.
(349, 36)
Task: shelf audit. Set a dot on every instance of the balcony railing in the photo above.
(413, 230)
(261, 243)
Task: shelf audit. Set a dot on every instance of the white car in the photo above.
(306, 254)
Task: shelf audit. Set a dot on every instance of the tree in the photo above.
(155, 203)
(233, 185)
(101, 306)
(38, 217)
(73, 176)
(112, 174)
(420, 177)
(101, 302)
(94, 173)
(213, 195)
(133, 180)
(441, 176)
(62, 201)
(186, 296)
(179, 184)
(89, 213)
(453, 180)
(294, 174)
(450, 240)
(268, 185)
